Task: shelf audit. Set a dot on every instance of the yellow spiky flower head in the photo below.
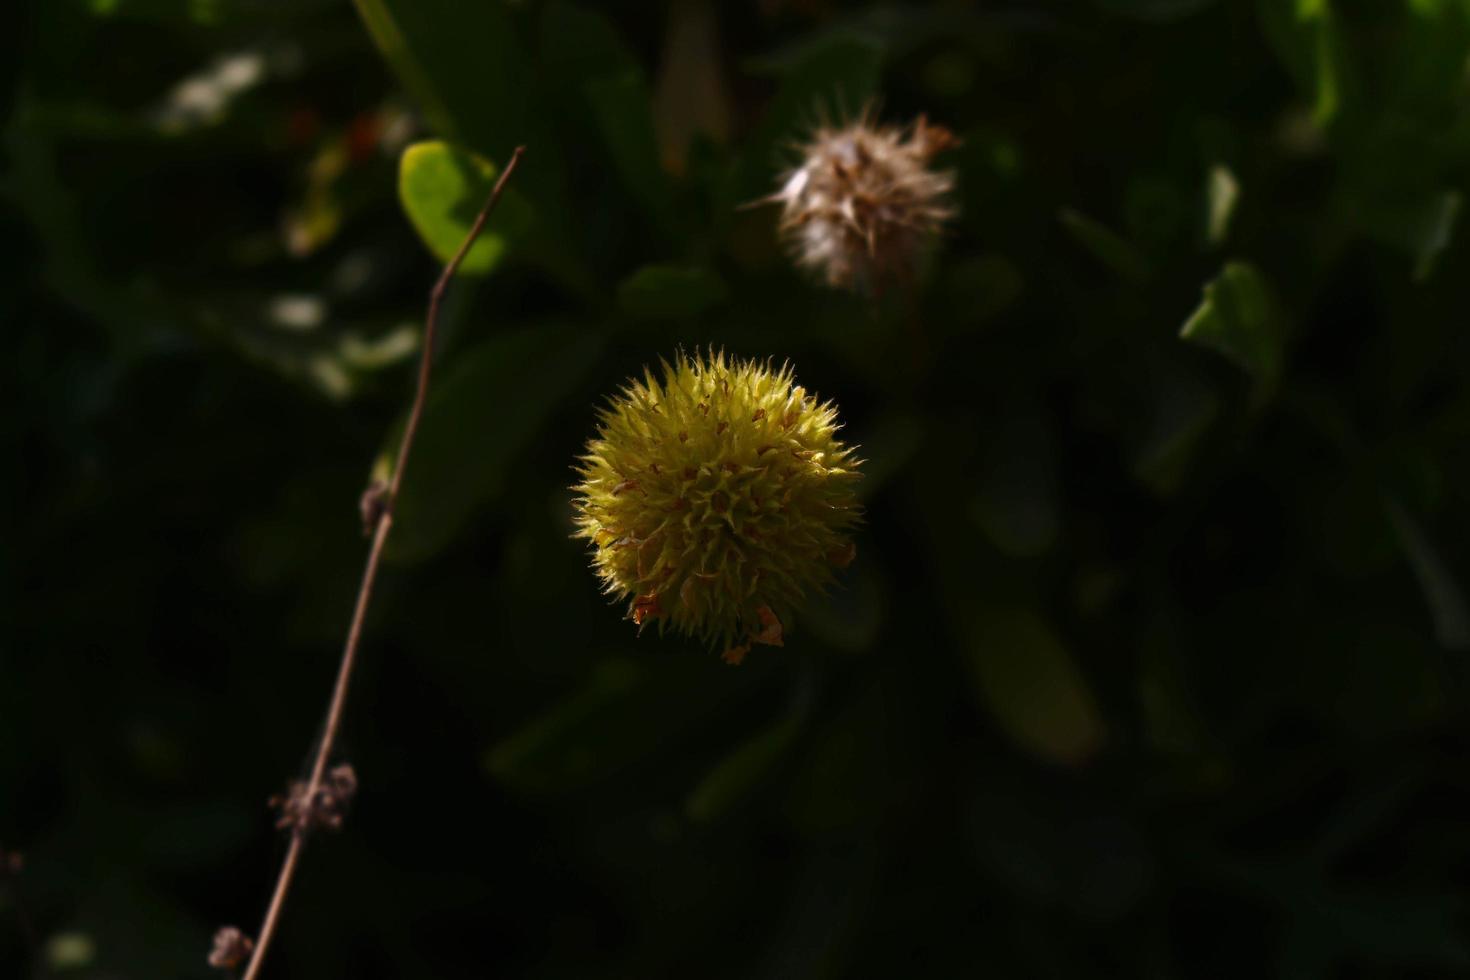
(864, 200)
(716, 497)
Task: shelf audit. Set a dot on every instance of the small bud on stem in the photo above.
(231, 948)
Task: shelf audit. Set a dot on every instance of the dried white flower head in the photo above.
(864, 200)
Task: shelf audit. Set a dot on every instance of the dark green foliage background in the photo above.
(1153, 660)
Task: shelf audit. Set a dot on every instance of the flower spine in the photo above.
(864, 200)
(715, 498)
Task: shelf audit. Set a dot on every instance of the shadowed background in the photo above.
(1152, 661)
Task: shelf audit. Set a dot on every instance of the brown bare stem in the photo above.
(384, 524)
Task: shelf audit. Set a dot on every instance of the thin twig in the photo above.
(384, 523)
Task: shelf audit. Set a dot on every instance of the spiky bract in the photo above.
(863, 200)
(716, 497)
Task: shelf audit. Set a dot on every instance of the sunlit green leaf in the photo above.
(467, 69)
(442, 188)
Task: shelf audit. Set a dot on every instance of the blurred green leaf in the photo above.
(1184, 409)
(1238, 318)
(843, 779)
(67, 951)
(463, 63)
(821, 911)
(1308, 39)
(739, 772)
(589, 61)
(1330, 924)
(1032, 688)
(318, 350)
(1353, 528)
(1421, 225)
(1015, 503)
(1158, 11)
(579, 43)
(1436, 226)
(849, 616)
(188, 835)
(1222, 193)
(1105, 245)
(122, 919)
(623, 108)
(568, 743)
(442, 188)
(1366, 696)
(1154, 213)
(216, 14)
(1171, 718)
(1429, 60)
(986, 286)
(1079, 858)
(1442, 591)
(887, 448)
(618, 719)
(482, 412)
(670, 292)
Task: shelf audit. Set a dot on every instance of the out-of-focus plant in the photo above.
(1152, 639)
